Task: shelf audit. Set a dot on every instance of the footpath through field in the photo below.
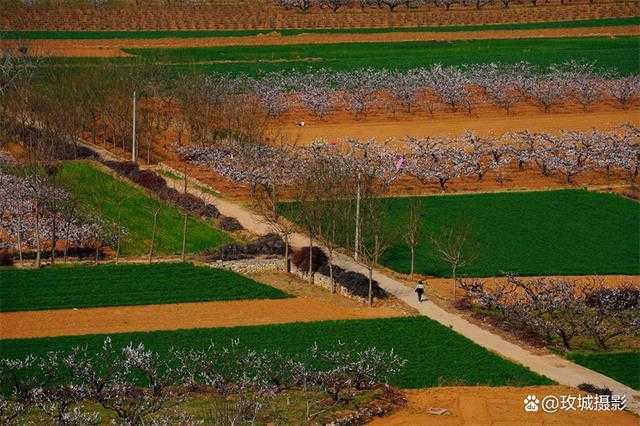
(554, 367)
(121, 319)
(111, 47)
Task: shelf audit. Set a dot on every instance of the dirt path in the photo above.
(73, 322)
(495, 406)
(111, 47)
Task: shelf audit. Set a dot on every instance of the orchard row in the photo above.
(431, 160)
(501, 85)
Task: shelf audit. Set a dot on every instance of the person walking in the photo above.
(420, 290)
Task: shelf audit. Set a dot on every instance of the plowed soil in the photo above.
(484, 120)
(111, 47)
(495, 406)
(72, 322)
(253, 14)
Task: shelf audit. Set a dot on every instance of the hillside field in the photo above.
(114, 199)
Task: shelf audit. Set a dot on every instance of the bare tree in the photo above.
(454, 245)
(377, 235)
(414, 230)
(152, 244)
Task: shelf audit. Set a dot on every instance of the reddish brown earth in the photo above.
(72, 322)
(111, 47)
(484, 119)
(442, 288)
(261, 14)
(468, 405)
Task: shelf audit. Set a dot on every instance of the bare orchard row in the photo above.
(392, 5)
(303, 5)
(96, 104)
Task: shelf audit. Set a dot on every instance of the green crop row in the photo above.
(435, 354)
(124, 284)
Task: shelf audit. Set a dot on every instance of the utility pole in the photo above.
(134, 146)
(357, 242)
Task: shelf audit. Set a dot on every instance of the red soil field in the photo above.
(112, 47)
(265, 14)
(73, 322)
(495, 406)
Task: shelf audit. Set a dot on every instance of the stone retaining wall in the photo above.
(257, 265)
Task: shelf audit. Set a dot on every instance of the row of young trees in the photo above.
(393, 5)
(96, 103)
(140, 386)
(567, 154)
(336, 192)
(303, 5)
(560, 310)
(49, 112)
(104, 3)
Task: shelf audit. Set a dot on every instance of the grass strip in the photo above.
(116, 200)
(124, 285)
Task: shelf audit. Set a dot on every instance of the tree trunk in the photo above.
(37, 233)
(310, 260)
(118, 248)
(566, 341)
(413, 260)
(66, 244)
(53, 239)
(184, 237)
(97, 251)
(601, 341)
(287, 261)
(371, 287)
(453, 273)
(333, 283)
(153, 235)
(20, 247)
